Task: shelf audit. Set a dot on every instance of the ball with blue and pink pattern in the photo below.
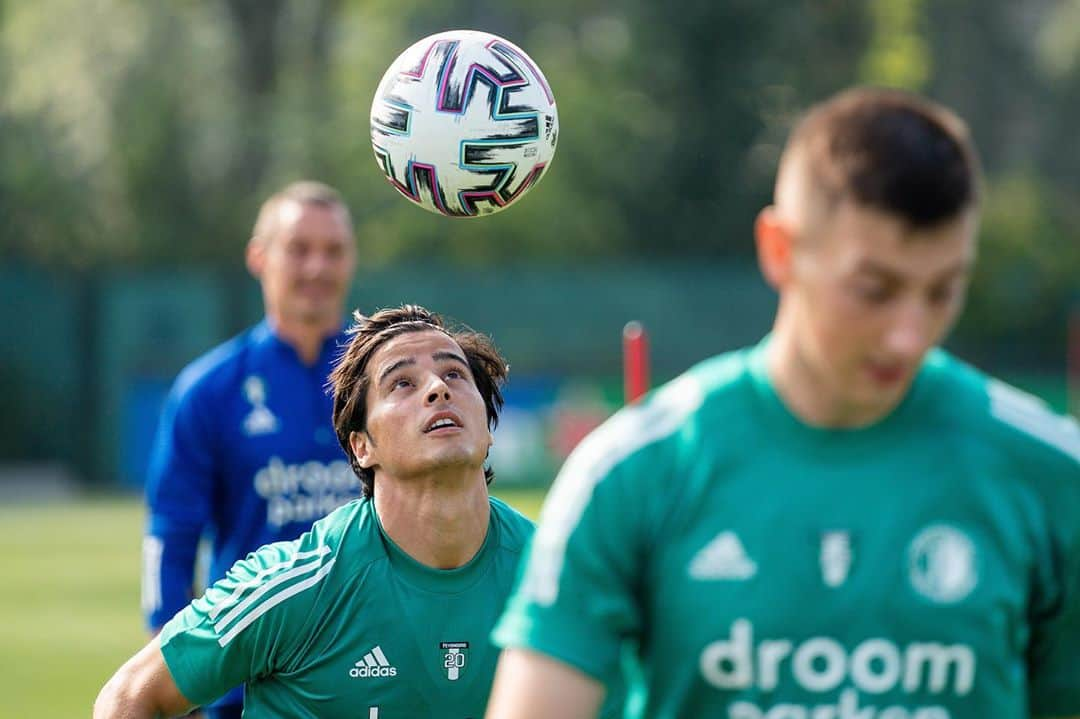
(464, 123)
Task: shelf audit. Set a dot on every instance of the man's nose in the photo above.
(437, 390)
(318, 263)
(911, 331)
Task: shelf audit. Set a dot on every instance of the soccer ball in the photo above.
(464, 123)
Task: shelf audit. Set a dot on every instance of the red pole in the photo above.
(1073, 363)
(635, 361)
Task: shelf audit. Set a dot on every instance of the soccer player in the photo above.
(842, 522)
(245, 452)
(384, 609)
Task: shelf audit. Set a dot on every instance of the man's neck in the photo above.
(807, 395)
(306, 339)
(439, 522)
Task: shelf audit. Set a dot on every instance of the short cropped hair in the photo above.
(306, 192)
(350, 380)
(888, 150)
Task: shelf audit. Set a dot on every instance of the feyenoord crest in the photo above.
(455, 656)
(942, 564)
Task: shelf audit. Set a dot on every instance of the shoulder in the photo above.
(1015, 423)
(665, 419)
(1031, 428)
(622, 458)
(343, 534)
(324, 557)
(280, 583)
(351, 531)
(726, 375)
(515, 528)
(329, 539)
(217, 369)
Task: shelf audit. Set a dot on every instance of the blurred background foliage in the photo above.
(144, 135)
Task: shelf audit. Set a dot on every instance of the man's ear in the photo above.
(255, 257)
(362, 448)
(774, 239)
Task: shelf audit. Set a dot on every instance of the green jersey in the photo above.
(926, 567)
(343, 623)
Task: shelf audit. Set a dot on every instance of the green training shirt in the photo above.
(926, 567)
(343, 623)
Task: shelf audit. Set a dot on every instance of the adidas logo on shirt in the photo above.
(374, 664)
(722, 558)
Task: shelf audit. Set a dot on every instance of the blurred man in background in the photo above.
(245, 453)
(843, 521)
(384, 610)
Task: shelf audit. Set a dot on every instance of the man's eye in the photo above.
(873, 294)
(942, 295)
(401, 382)
(454, 374)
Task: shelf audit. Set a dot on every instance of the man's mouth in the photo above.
(442, 421)
(886, 374)
(316, 288)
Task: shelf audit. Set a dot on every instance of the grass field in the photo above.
(70, 600)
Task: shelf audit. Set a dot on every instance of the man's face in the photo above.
(424, 411)
(869, 296)
(305, 266)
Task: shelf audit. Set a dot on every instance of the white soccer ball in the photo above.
(464, 123)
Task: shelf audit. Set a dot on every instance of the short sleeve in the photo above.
(576, 602)
(578, 597)
(1054, 651)
(246, 625)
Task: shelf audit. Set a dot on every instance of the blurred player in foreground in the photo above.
(245, 450)
(842, 522)
(385, 608)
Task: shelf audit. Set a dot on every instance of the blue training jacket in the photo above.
(245, 454)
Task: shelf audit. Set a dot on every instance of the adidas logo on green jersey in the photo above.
(374, 664)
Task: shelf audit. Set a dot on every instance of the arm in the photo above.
(529, 685)
(179, 487)
(1053, 652)
(576, 600)
(142, 688)
(233, 634)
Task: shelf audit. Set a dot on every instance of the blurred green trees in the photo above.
(146, 134)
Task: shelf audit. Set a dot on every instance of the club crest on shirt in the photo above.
(835, 557)
(942, 564)
(260, 420)
(455, 656)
